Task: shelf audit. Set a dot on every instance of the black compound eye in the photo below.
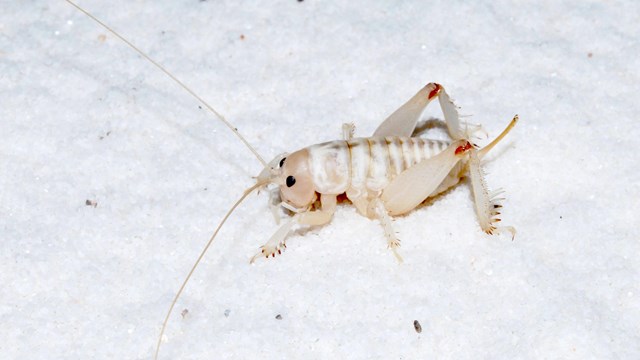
(290, 181)
(282, 161)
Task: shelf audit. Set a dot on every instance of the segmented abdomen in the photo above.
(367, 164)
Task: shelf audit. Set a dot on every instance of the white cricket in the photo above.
(385, 175)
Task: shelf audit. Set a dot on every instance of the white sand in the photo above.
(84, 118)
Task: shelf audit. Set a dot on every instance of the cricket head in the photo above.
(291, 173)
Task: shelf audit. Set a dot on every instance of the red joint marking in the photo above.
(435, 91)
(463, 148)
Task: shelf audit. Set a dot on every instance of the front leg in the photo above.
(276, 243)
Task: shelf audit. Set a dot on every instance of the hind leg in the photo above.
(486, 203)
(402, 122)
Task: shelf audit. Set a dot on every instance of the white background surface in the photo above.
(83, 117)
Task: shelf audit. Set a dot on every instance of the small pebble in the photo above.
(417, 326)
(278, 317)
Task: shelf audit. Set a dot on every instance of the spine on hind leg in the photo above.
(486, 203)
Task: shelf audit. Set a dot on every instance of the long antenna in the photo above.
(195, 265)
(175, 79)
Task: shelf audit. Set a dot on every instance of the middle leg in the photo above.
(377, 210)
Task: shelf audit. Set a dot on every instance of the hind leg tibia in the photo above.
(487, 204)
